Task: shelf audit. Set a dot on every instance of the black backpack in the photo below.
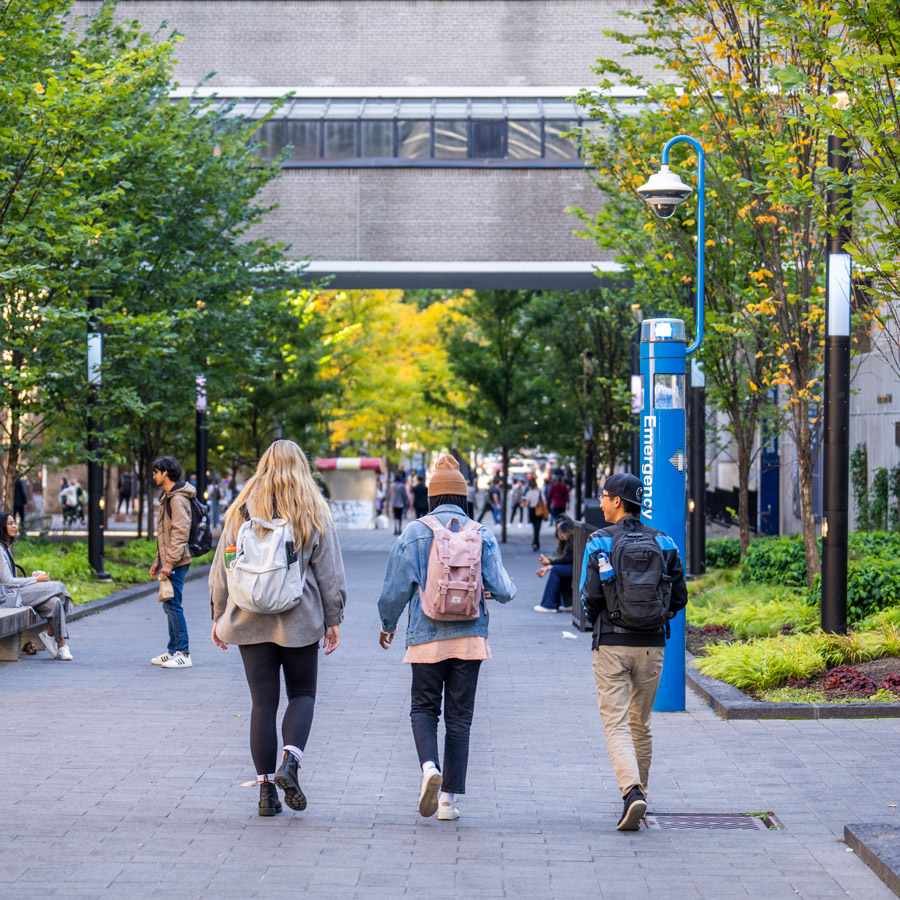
(200, 537)
(637, 599)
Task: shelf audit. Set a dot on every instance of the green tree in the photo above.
(586, 358)
(765, 172)
(492, 352)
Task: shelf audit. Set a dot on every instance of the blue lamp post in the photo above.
(664, 353)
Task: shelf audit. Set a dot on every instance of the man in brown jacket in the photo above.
(173, 559)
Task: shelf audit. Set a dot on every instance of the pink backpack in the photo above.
(453, 587)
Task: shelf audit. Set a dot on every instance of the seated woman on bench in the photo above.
(47, 598)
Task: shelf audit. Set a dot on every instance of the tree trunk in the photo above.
(504, 453)
(578, 495)
(13, 453)
(803, 442)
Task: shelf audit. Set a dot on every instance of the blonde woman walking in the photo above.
(282, 488)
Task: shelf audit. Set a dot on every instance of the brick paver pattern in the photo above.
(125, 780)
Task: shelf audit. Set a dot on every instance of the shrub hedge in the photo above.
(873, 576)
(723, 553)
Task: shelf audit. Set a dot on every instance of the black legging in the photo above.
(262, 665)
(536, 522)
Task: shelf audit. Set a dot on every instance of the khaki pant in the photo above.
(627, 679)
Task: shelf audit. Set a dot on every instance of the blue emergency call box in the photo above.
(664, 470)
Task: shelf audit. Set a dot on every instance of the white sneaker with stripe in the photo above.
(178, 661)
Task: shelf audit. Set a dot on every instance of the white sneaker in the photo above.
(178, 661)
(163, 657)
(64, 653)
(565, 609)
(428, 796)
(49, 644)
(540, 608)
(447, 812)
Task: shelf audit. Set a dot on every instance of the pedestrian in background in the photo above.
(515, 502)
(558, 498)
(445, 656)
(20, 501)
(49, 599)
(173, 559)
(124, 489)
(399, 500)
(420, 497)
(558, 571)
(536, 505)
(282, 488)
(631, 575)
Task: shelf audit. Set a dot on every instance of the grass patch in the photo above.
(792, 695)
(769, 662)
(128, 565)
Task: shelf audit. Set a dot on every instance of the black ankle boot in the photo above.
(269, 804)
(286, 778)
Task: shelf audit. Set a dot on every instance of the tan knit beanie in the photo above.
(446, 478)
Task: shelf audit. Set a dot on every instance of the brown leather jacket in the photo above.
(173, 526)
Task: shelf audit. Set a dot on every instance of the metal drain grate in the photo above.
(719, 821)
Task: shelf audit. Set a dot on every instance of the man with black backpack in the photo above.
(632, 583)
(174, 522)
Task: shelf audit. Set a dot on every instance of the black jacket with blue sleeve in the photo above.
(594, 601)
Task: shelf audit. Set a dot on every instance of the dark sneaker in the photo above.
(286, 779)
(269, 804)
(635, 807)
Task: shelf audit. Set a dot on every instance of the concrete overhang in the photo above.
(480, 275)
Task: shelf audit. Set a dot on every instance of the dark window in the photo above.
(271, 134)
(340, 140)
(303, 135)
(487, 139)
(376, 139)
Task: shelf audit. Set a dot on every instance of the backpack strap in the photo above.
(433, 523)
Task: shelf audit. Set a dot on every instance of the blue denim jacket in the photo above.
(406, 570)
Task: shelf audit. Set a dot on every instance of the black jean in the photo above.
(536, 522)
(456, 680)
(262, 665)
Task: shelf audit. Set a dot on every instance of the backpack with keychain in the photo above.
(265, 575)
(638, 590)
(453, 586)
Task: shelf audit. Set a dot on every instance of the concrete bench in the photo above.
(18, 624)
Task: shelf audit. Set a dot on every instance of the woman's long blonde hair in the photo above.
(282, 487)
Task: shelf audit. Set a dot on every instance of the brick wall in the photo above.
(385, 42)
(431, 214)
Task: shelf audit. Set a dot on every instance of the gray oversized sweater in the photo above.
(322, 605)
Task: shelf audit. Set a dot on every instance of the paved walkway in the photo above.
(125, 780)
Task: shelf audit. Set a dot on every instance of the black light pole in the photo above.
(94, 429)
(202, 439)
(836, 461)
(697, 472)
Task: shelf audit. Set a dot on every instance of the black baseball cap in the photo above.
(626, 486)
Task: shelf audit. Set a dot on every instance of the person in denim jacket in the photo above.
(445, 656)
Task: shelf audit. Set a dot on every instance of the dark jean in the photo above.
(178, 633)
(536, 522)
(455, 680)
(558, 588)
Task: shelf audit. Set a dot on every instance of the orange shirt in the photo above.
(455, 648)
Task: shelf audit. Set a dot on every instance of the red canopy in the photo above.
(372, 463)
